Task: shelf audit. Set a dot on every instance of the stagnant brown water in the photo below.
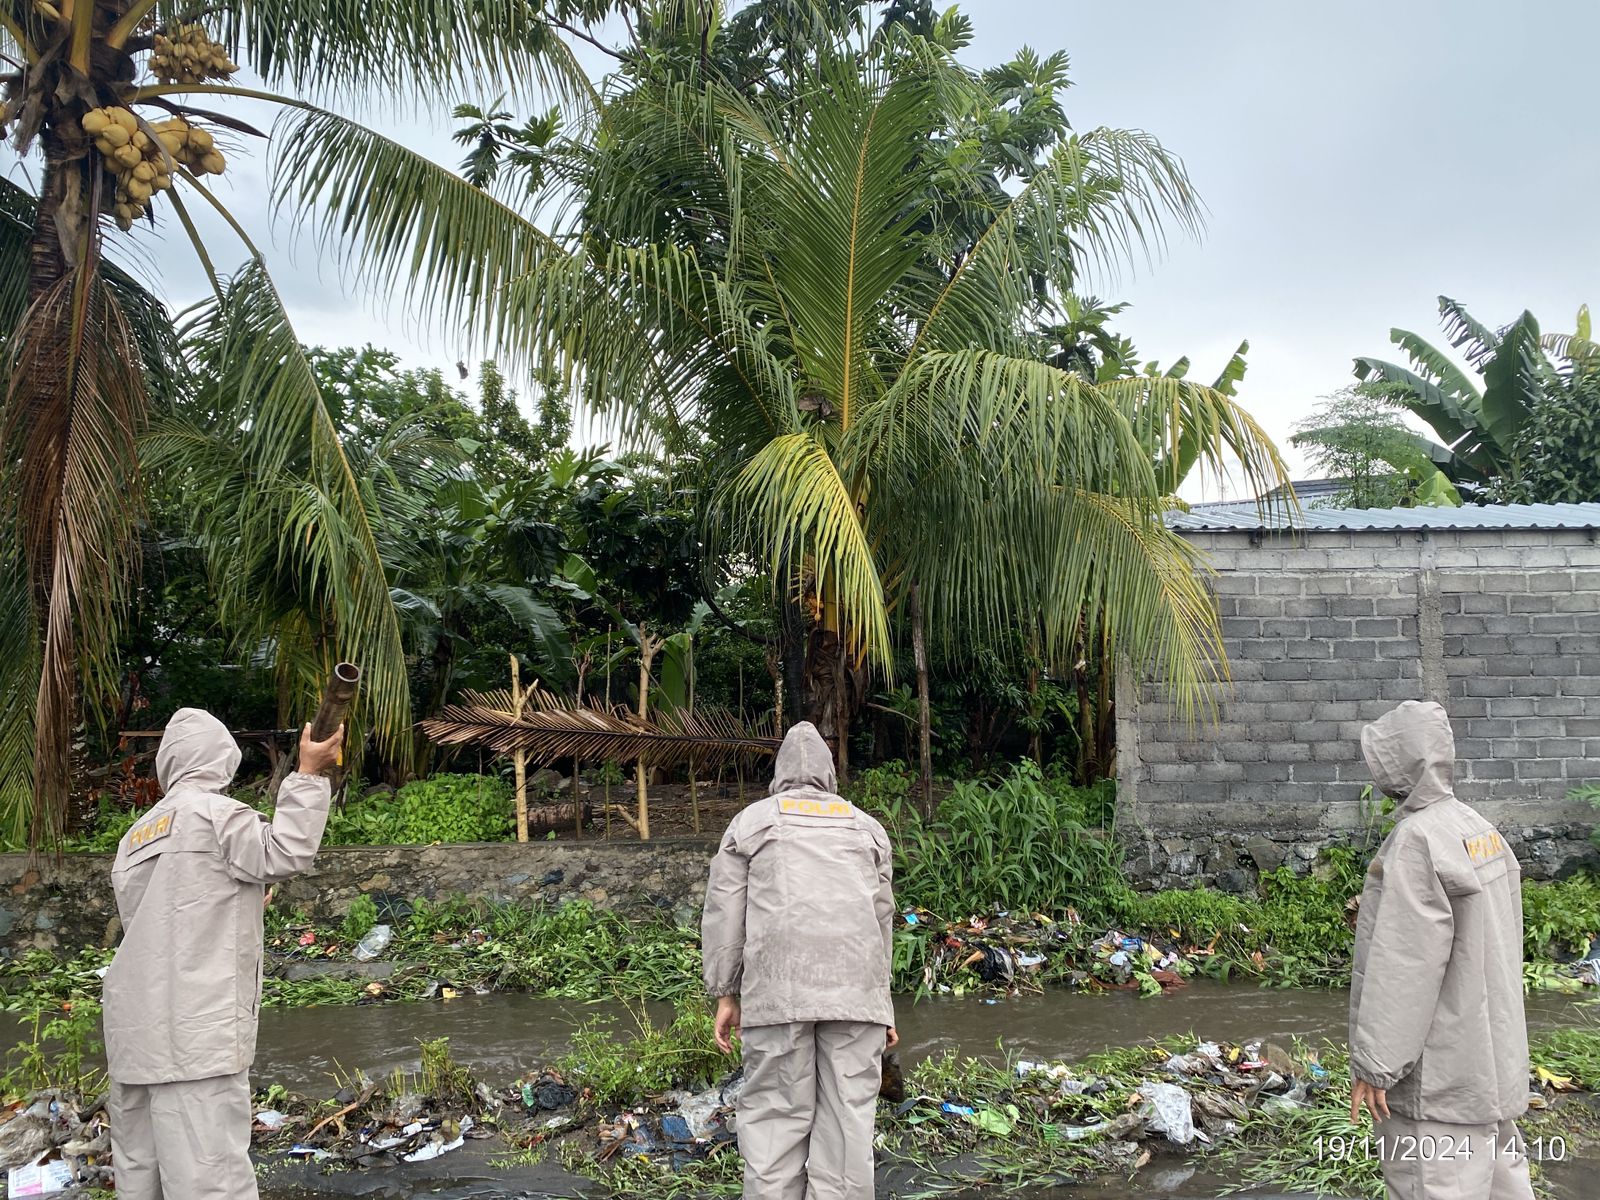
(499, 1037)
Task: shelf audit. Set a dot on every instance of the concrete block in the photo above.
(1513, 706)
(1530, 602)
(1550, 581)
(1258, 606)
(1355, 648)
(1541, 768)
(1296, 669)
(1539, 685)
(1308, 649)
(1352, 606)
(1314, 772)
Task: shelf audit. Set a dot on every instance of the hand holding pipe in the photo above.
(336, 700)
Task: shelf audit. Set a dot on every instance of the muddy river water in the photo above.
(501, 1036)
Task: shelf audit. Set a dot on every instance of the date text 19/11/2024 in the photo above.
(1427, 1148)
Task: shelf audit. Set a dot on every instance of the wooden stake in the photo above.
(648, 645)
(694, 787)
(919, 650)
(519, 758)
(607, 800)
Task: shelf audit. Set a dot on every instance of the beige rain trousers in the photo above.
(183, 1141)
(1435, 1160)
(805, 1114)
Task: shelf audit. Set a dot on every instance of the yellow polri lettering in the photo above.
(142, 835)
(838, 809)
(1485, 847)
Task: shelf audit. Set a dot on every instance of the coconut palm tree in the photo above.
(809, 276)
(108, 105)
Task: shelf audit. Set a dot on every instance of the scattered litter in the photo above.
(39, 1179)
(959, 1110)
(271, 1118)
(450, 1136)
(1171, 1112)
(374, 944)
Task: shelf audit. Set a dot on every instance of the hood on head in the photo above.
(197, 751)
(804, 763)
(1411, 753)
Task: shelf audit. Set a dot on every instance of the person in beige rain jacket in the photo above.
(796, 932)
(1438, 1046)
(182, 993)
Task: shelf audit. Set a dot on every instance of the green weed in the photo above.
(651, 1060)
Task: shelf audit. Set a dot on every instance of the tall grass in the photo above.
(1025, 843)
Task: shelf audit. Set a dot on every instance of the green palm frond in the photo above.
(405, 224)
(408, 47)
(794, 506)
(287, 525)
(1187, 424)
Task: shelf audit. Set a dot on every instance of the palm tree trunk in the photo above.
(919, 649)
(37, 428)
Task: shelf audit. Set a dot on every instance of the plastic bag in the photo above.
(1170, 1112)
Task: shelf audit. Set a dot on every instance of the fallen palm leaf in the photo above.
(551, 727)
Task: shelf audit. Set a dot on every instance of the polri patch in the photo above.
(1484, 848)
(838, 809)
(154, 830)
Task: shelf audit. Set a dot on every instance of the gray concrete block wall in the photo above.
(1326, 630)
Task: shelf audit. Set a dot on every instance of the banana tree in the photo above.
(117, 106)
(1477, 427)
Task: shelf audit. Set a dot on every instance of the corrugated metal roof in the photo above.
(1248, 516)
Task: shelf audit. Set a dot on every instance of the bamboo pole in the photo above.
(519, 758)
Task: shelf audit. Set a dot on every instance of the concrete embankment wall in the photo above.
(67, 905)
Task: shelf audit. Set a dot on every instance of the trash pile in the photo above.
(1017, 952)
(373, 1131)
(671, 1130)
(52, 1142)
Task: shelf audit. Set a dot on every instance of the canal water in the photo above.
(499, 1037)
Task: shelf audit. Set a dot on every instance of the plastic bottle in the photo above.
(374, 944)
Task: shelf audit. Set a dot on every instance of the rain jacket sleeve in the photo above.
(1406, 957)
(884, 904)
(257, 851)
(722, 923)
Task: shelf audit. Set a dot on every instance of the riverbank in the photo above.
(641, 1105)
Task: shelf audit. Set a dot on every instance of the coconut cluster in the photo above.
(186, 54)
(141, 158)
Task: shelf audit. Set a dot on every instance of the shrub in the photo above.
(443, 808)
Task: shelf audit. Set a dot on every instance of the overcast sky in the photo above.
(1357, 159)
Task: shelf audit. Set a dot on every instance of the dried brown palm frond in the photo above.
(553, 727)
(74, 406)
